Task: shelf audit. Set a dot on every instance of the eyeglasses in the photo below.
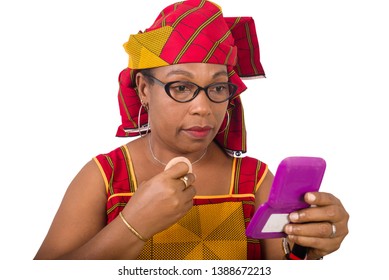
(183, 91)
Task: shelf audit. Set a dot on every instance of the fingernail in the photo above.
(294, 216)
(288, 229)
(311, 197)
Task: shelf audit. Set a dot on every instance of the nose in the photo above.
(201, 105)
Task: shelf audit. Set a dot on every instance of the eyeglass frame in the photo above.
(196, 92)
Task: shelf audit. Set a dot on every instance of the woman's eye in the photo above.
(220, 88)
(217, 89)
(181, 88)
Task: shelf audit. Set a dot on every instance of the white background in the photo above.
(324, 95)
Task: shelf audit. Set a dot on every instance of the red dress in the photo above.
(215, 226)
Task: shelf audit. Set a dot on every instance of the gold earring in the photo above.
(143, 130)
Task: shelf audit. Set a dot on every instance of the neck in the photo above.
(164, 163)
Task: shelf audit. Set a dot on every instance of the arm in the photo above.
(79, 229)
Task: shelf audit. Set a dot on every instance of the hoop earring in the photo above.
(228, 123)
(142, 129)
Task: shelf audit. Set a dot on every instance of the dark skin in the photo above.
(161, 198)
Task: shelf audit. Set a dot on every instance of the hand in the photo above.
(161, 201)
(322, 227)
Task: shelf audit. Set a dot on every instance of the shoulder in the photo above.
(116, 153)
(263, 177)
(250, 164)
(249, 173)
(116, 169)
(107, 162)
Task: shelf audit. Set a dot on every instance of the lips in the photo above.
(199, 131)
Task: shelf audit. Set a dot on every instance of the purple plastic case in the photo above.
(295, 176)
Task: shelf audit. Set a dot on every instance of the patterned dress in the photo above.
(215, 226)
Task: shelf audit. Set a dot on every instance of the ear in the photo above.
(143, 88)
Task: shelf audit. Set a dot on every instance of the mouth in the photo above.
(198, 131)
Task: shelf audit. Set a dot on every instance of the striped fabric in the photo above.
(215, 226)
(193, 31)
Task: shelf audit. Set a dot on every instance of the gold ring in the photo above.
(185, 180)
(333, 227)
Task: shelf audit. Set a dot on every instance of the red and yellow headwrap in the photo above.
(192, 31)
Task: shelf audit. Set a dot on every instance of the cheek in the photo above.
(162, 112)
(221, 113)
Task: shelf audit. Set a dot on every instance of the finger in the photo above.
(191, 178)
(321, 198)
(324, 226)
(187, 180)
(319, 230)
(318, 247)
(330, 213)
(188, 194)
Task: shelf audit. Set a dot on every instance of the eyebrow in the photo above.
(190, 75)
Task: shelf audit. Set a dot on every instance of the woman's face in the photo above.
(190, 126)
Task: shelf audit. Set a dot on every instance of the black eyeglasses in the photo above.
(183, 91)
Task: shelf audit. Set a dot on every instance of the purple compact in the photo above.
(295, 176)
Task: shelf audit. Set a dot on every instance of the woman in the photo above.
(181, 94)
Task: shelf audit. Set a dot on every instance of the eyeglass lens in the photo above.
(185, 91)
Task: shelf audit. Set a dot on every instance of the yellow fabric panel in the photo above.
(211, 231)
(144, 48)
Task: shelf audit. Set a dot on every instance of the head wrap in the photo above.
(192, 31)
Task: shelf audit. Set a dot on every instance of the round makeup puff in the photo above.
(176, 160)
